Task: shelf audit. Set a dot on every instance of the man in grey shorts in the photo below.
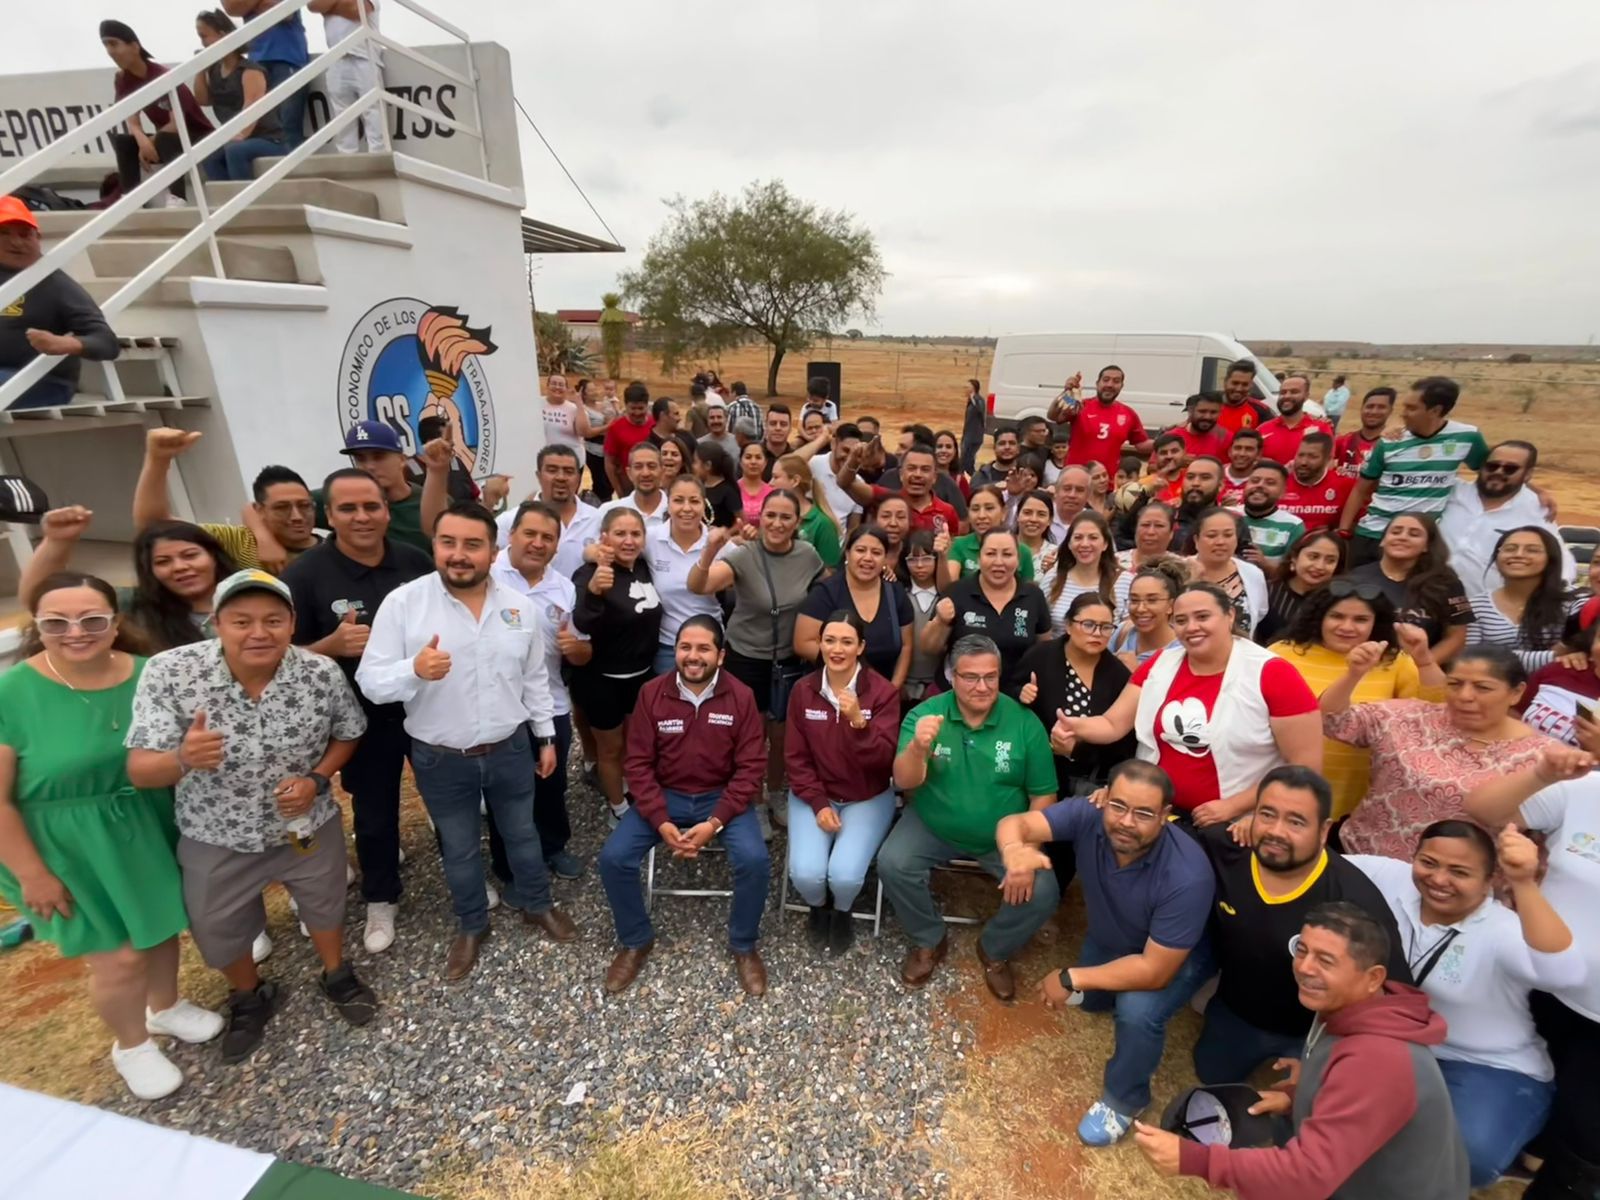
(250, 729)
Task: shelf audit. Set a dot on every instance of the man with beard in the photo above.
(624, 434)
(1480, 510)
(1165, 480)
(645, 496)
(1007, 446)
(1315, 491)
(1241, 410)
(918, 472)
(1280, 437)
(1202, 486)
(1243, 453)
(338, 588)
(1200, 433)
(1146, 891)
(1272, 529)
(775, 435)
(1102, 424)
(1263, 891)
(463, 653)
(1351, 449)
(560, 472)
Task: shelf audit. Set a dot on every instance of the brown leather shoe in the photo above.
(624, 968)
(997, 974)
(920, 962)
(558, 927)
(752, 972)
(463, 955)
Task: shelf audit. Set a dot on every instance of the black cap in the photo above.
(22, 502)
(1219, 1115)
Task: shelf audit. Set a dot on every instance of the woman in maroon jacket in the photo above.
(844, 721)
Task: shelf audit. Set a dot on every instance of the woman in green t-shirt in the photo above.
(818, 526)
(985, 511)
(84, 855)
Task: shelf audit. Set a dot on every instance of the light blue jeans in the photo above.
(820, 862)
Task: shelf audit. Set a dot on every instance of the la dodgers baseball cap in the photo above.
(371, 435)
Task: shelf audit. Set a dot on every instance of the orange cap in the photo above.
(13, 210)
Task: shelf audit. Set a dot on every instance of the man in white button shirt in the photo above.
(647, 499)
(1480, 510)
(560, 474)
(825, 469)
(463, 653)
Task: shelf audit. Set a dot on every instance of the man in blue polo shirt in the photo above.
(280, 52)
(1148, 891)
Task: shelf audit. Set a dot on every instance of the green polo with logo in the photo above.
(977, 776)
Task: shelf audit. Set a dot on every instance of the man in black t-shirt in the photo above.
(1263, 895)
(337, 588)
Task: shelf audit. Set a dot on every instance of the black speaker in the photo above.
(830, 372)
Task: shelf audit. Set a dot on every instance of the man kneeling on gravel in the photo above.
(250, 729)
(696, 759)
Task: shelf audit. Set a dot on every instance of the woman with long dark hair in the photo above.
(715, 470)
(986, 510)
(85, 856)
(1309, 563)
(1526, 612)
(1413, 569)
(947, 455)
(228, 88)
(881, 606)
(1087, 562)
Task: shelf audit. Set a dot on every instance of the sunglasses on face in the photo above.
(58, 626)
(1343, 589)
(1502, 468)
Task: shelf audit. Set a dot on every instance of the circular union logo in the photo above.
(405, 360)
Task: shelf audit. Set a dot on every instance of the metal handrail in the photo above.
(194, 155)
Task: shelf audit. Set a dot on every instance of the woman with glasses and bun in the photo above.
(1333, 621)
(85, 856)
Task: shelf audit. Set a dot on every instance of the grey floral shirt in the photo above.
(308, 704)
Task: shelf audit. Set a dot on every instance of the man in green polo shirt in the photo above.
(968, 757)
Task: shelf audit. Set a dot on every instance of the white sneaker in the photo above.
(294, 907)
(379, 935)
(494, 895)
(186, 1022)
(778, 808)
(261, 948)
(349, 872)
(148, 1073)
(402, 856)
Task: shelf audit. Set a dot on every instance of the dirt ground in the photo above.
(902, 382)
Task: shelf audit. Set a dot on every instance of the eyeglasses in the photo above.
(91, 623)
(972, 680)
(1343, 589)
(1121, 811)
(1096, 626)
(919, 558)
(1496, 467)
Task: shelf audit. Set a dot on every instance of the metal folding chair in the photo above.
(874, 914)
(651, 891)
(963, 866)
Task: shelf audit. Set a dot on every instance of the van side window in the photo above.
(1212, 373)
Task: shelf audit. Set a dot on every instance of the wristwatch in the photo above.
(542, 742)
(1064, 977)
(322, 781)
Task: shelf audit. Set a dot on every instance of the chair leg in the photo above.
(877, 911)
(783, 899)
(650, 880)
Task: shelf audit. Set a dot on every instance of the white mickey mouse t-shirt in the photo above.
(1183, 723)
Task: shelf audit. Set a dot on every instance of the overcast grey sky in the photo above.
(1404, 170)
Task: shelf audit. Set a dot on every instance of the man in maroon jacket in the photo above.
(696, 757)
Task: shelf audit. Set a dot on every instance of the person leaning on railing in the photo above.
(136, 148)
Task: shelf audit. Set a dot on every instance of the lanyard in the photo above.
(1422, 965)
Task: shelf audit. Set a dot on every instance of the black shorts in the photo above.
(605, 700)
(770, 681)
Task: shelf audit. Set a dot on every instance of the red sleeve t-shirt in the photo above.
(1099, 432)
(1281, 444)
(1318, 504)
(1213, 442)
(622, 436)
(1183, 723)
(1350, 452)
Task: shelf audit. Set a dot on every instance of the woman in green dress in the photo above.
(85, 856)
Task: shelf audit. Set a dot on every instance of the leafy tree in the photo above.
(613, 333)
(853, 334)
(766, 264)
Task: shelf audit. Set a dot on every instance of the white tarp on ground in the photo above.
(57, 1150)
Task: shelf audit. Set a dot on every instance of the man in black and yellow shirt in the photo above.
(1263, 894)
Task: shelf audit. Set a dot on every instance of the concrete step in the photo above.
(188, 291)
(122, 257)
(155, 222)
(318, 192)
(335, 166)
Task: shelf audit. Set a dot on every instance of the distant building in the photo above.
(585, 322)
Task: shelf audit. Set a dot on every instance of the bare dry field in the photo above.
(901, 382)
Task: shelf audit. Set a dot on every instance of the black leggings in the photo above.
(130, 170)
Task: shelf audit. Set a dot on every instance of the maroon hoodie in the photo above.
(1372, 1118)
(827, 759)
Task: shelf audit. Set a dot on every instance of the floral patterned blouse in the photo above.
(1422, 769)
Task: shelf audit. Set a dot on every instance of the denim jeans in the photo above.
(452, 785)
(1230, 1048)
(292, 112)
(821, 862)
(549, 805)
(666, 660)
(1498, 1111)
(50, 392)
(630, 841)
(910, 853)
(236, 160)
(1141, 1024)
(372, 777)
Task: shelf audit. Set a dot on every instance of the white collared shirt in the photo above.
(576, 536)
(659, 517)
(685, 693)
(1471, 533)
(831, 696)
(497, 679)
(669, 568)
(553, 599)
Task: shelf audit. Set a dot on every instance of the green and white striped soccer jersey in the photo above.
(1417, 474)
(1274, 533)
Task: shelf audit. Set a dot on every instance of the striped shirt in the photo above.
(1491, 627)
(1274, 533)
(1418, 474)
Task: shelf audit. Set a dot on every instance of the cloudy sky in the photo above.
(1404, 170)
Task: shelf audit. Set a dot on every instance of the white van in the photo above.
(1162, 370)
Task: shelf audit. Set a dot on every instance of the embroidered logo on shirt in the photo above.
(14, 309)
(340, 607)
(1584, 845)
(1002, 757)
(719, 718)
(670, 725)
(816, 714)
(972, 619)
(1020, 624)
(512, 617)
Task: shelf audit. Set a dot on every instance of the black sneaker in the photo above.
(841, 932)
(817, 927)
(350, 996)
(248, 1014)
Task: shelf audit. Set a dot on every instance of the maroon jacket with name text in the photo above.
(827, 759)
(672, 745)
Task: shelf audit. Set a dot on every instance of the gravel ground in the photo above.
(832, 1085)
